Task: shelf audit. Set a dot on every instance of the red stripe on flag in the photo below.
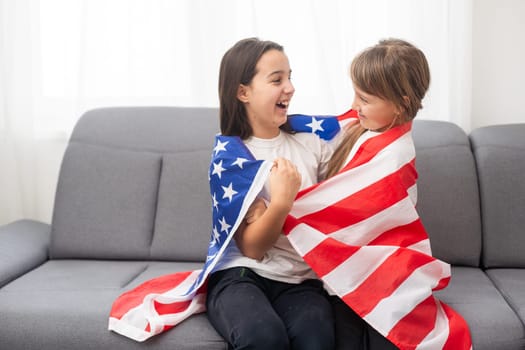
(135, 297)
(348, 114)
(371, 147)
(290, 223)
(364, 203)
(459, 335)
(328, 254)
(415, 326)
(385, 279)
(171, 308)
(402, 236)
(442, 283)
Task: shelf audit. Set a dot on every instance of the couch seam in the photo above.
(134, 276)
(157, 195)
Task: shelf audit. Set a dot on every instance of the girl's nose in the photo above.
(289, 88)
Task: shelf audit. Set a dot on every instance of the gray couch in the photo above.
(132, 203)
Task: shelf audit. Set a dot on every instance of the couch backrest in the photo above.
(500, 160)
(133, 185)
(448, 197)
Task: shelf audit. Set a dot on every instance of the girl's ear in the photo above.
(406, 99)
(400, 110)
(242, 93)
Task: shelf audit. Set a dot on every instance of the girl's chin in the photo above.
(363, 123)
(283, 113)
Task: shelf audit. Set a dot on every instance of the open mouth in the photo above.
(282, 104)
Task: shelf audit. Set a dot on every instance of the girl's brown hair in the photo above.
(393, 70)
(238, 66)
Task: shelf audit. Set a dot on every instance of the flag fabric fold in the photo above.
(359, 231)
(161, 303)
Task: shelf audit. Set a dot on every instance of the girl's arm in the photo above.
(255, 237)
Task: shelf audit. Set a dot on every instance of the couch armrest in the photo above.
(23, 246)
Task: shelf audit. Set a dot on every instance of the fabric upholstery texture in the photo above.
(100, 210)
(500, 156)
(70, 309)
(133, 203)
(183, 226)
(24, 246)
(511, 284)
(493, 323)
(448, 197)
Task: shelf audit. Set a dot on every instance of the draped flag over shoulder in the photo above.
(359, 231)
(161, 303)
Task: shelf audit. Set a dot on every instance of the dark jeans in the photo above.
(253, 312)
(352, 332)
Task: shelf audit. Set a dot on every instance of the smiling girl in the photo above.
(262, 295)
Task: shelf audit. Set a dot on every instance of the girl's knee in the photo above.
(263, 336)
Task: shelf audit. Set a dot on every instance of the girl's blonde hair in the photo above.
(393, 70)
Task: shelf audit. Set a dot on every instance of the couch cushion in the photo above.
(511, 283)
(448, 198)
(183, 219)
(64, 304)
(493, 324)
(133, 185)
(24, 246)
(105, 203)
(183, 224)
(500, 159)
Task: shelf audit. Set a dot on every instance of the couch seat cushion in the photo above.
(493, 324)
(511, 283)
(64, 304)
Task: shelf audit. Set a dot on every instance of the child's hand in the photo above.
(285, 182)
(255, 211)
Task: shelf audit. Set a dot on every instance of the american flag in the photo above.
(236, 178)
(359, 231)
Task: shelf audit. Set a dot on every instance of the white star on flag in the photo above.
(316, 125)
(240, 161)
(224, 225)
(220, 146)
(229, 191)
(217, 169)
(215, 202)
(216, 235)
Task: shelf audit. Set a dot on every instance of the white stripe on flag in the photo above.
(349, 275)
(198, 304)
(363, 232)
(356, 179)
(422, 246)
(175, 294)
(305, 238)
(412, 193)
(437, 338)
(410, 293)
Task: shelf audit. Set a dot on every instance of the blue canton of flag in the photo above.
(325, 126)
(236, 178)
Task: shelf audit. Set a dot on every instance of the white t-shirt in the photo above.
(310, 154)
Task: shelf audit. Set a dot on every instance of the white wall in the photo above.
(498, 62)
